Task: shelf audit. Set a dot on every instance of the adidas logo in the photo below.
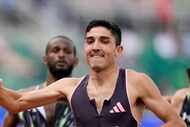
(117, 108)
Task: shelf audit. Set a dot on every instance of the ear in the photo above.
(45, 60)
(119, 50)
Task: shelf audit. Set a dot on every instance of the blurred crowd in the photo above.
(156, 36)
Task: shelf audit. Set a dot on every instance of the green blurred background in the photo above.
(156, 37)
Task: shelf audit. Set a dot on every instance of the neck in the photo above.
(104, 75)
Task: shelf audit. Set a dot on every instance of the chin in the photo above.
(97, 68)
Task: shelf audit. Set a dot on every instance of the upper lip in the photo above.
(62, 61)
(96, 54)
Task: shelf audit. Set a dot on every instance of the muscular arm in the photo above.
(168, 99)
(16, 102)
(153, 100)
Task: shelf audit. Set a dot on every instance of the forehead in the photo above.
(60, 42)
(99, 31)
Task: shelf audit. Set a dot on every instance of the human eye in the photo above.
(89, 40)
(105, 40)
(55, 49)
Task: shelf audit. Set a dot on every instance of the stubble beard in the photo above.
(60, 73)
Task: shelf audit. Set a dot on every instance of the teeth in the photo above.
(97, 55)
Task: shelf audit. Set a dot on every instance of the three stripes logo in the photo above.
(117, 108)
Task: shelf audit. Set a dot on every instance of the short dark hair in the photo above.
(64, 38)
(114, 28)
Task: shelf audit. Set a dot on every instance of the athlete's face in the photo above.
(100, 48)
(60, 58)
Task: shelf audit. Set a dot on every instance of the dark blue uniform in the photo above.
(115, 112)
(185, 112)
(63, 117)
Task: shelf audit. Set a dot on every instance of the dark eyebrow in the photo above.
(90, 37)
(104, 37)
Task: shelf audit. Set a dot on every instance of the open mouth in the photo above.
(96, 55)
(61, 63)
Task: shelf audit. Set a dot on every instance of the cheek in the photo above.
(112, 55)
(86, 48)
(49, 58)
(86, 51)
(53, 59)
(111, 52)
(52, 56)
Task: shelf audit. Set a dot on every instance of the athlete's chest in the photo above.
(100, 95)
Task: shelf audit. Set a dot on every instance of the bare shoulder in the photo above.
(138, 78)
(142, 82)
(180, 94)
(135, 74)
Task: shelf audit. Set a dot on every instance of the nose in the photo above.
(61, 54)
(96, 45)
